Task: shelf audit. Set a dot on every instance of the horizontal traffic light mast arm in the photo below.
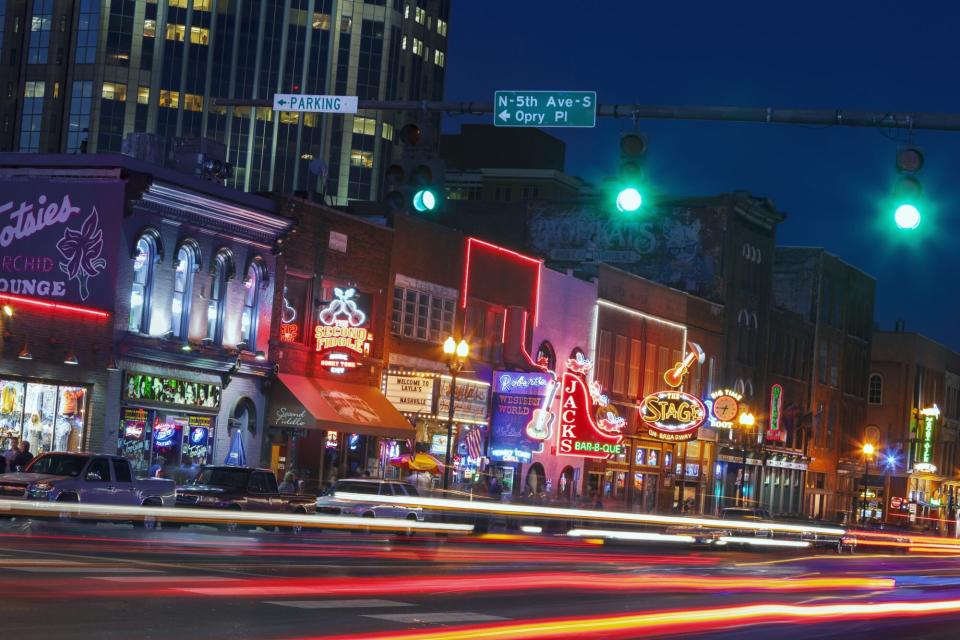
(835, 117)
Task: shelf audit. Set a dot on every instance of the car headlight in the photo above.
(40, 490)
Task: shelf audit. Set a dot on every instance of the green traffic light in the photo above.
(629, 199)
(424, 200)
(907, 216)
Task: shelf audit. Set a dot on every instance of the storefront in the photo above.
(50, 415)
(423, 397)
(784, 477)
(167, 425)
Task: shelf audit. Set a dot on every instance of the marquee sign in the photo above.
(521, 419)
(673, 416)
(339, 336)
(723, 407)
(580, 432)
(929, 420)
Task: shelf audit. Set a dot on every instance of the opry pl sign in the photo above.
(59, 240)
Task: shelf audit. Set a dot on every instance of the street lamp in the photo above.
(746, 420)
(868, 451)
(456, 353)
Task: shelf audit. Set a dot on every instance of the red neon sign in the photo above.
(54, 306)
(517, 257)
(289, 332)
(580, 434)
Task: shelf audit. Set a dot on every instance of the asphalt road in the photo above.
(110, 581)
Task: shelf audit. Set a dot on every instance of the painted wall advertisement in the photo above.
(470, 404)
(521, 419)
(59, 240)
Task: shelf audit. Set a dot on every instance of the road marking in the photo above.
(185, 578)
(339, 604)
(83, 570)
(439, 617)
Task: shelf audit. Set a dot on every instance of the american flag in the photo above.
(474, 440)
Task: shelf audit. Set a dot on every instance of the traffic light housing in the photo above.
(633, 147)
(413, 183)
(907, 191)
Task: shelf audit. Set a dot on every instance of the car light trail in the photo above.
(667, 622)
(763, 542)
(629, 535)
(186, 514)
(585, 514)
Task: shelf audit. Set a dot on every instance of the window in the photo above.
(633, 385)
(186, 266)
(422, 315)
(365, 126)
(649, 369)
(420, 15)
(169, 99)
(113, 91)
(251, 305)
(360, 158)
(403, 43)
(222, 265)
(546, 356)
(87, 30)
(875, 390)
(441, 27)
(121, 471)
(40, 32)
(602, 370)
(620, 356)
(293, 313)
(178, 32)
(439, 58)
(144, 257)
(98, 471)
(822, 363)
(417, 47)
(32, 115)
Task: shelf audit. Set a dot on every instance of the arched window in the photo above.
(251, 306)
(186, 266)
(546, 355)
(220, 273)
(875, 390)
(575, 351)
(245, 416)
(141, 291)
(536, 479)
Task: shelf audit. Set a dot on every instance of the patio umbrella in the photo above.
(418, 462)
(236, 455)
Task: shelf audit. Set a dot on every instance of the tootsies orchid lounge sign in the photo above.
(58, 240)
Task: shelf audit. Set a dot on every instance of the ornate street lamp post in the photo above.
(457, 354)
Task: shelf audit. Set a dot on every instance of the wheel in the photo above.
(296, 529)
(67, 498)
(148, 522)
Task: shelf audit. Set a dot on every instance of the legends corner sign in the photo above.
(581, 433)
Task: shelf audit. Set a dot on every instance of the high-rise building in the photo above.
(78, 75)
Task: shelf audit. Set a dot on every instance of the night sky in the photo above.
(830, 181)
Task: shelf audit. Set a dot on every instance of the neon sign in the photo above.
(673, 416)
(580, 433)
(926, 443)
(289, 332)
(724, 405)
(340, 336)
(776, 402)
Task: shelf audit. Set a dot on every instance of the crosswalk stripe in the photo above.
(164, 578)
(438, 617)
(359, 603)
(83, 570)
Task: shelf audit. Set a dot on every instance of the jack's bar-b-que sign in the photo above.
(59, 239)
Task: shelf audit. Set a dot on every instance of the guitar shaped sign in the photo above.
(541, 422)
(674, 375)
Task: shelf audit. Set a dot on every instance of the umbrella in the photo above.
(418, 462)
(236, 455)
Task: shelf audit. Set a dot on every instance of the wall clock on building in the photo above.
(725, 408)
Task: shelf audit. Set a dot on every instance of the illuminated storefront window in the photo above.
(51, 417)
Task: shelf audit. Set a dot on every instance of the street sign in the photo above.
(316, 104)
(545, 108)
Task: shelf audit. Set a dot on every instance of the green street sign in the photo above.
(545, 108)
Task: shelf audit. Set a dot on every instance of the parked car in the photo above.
(241, 489)
(329, 503)
(86, 478)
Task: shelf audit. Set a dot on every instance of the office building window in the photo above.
(120, 31)
(421, 315)
(40, 32)
(420, 15)
(442, 27)
(417, 47)
(113, 91)
(439, 58)
(78, 123)
(88, 28)
(875, 391)
(31, 121)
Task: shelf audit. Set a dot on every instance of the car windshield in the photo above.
(58, 465)
(227, 478)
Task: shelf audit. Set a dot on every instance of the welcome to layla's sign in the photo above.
(342, 336)
(672, 416)
(521, 419)
(59, 240)
(580, 432)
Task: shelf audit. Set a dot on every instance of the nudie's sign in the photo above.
(673, 416)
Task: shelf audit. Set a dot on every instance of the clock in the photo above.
(726, 408)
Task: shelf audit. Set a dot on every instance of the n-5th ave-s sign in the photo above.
(545, 108)
(316, 104)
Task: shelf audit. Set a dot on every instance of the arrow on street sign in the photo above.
(313, 103)
(545, 108)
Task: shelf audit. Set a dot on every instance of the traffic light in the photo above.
(907, 190)
(633, 146)
(414, 182)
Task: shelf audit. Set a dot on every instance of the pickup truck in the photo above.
(87, 478)
(241, 489)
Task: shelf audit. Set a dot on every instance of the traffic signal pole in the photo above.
(768, 115)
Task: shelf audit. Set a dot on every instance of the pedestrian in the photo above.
(10, 454)
(156, 470)
(287, 485)
(23, 457)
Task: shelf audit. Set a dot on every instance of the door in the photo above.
(260, 496)
(126, 492)
(97, 486)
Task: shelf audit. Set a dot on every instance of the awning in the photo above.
(331, 405)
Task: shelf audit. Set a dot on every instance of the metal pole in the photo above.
(446, 460)
(765, 115)
(863, 500)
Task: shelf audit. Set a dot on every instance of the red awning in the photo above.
(337, 406)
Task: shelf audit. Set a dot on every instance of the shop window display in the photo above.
(50, 417)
